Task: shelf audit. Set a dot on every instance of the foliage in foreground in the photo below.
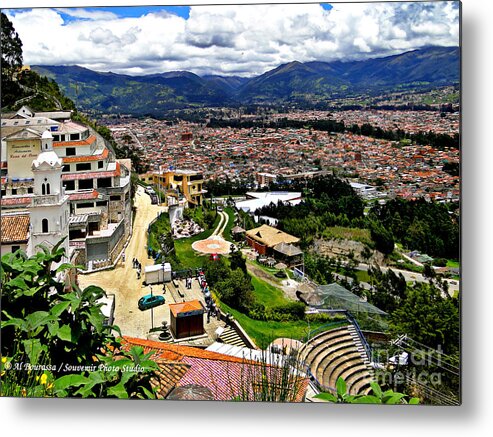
(378, 396)
(56, 342)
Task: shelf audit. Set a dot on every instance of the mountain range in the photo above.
(294, 83)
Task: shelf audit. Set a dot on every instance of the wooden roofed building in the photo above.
(289, 254)
(264, 238)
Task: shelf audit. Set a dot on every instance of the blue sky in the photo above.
(242, 40)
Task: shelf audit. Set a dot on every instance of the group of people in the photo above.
(137, 265)
(211, 307)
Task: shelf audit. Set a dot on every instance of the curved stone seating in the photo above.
(333, 354)
(319, 338)
(333, 344)
(331, 364)
(320, 341)
(363, 386)
(351, 373)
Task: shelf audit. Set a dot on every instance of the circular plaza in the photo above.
(213, 244)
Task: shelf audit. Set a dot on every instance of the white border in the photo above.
(475, 417)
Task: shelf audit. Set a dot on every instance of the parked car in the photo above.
(280, 274)
(150, 301)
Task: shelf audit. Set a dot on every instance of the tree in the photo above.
(428, 317)
(236, 290)
(384, 241)
(57, 340)
(237, 261)
(11, 61)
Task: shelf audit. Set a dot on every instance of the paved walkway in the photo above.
(122, 280)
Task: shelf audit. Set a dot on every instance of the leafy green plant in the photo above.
(378, 396)
(55, 339)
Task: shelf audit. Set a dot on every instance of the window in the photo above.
(14, 191)
(30, 190)
(83, 166)
(100, 164)
(115, 198)
(43, 189)
(86, 184)
(74, 137)
(70, 151)
(4, 192)
(56, 138)
(15, 248)
(44, 226)
(47, 188)
(66, 168)
(101, 203)
(85, 205)
(69, 185)
(104, 182)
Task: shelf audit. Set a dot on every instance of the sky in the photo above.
(241, 40)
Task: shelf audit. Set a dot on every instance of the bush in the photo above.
(440, 262)
(291, 311)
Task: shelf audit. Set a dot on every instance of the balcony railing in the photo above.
(51, 199)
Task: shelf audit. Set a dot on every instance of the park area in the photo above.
(273, 313)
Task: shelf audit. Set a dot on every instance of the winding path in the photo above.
(216, 242)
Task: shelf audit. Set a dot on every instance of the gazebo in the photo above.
(289, 254)
(237, 232)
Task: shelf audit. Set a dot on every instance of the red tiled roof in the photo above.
(15, 228)
(167, 377)
(185, 307)
(175, 352)
(87, 142)
(224, 375)
(84, 196)
(91, 175)
(12, 201)
(228, 381)
(70, 159)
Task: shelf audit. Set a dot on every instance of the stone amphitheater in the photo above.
(338, 353)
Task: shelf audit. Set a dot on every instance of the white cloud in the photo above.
(241, 39)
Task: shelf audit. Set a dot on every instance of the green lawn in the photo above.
(340, 232)
(187, 257)
(453, 264)
(267, 294)
(231, 222)
(362, 276)
(264, 332)
(159, 227)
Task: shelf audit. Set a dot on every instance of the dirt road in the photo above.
(123, 282)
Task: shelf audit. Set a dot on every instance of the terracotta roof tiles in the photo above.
(15, 228)
(87, 142)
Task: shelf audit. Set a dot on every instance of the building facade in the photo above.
(96, 184)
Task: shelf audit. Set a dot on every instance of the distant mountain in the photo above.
(313, 81)
(229, 84)
(117, 93)
(295, 82)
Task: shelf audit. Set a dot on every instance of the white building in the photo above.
(97, 185)
(49, 208)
